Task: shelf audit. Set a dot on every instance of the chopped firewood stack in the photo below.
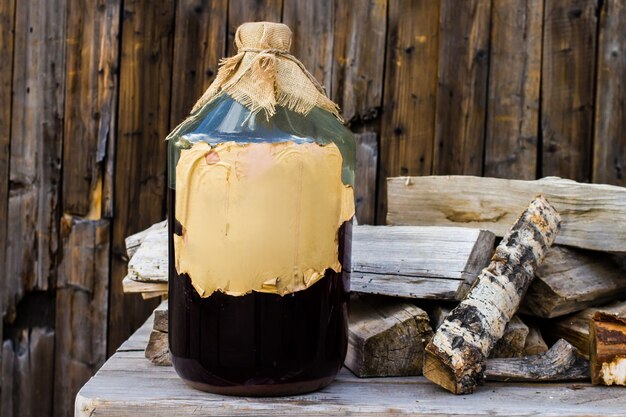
(434, 296)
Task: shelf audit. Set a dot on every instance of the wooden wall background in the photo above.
(89, 89)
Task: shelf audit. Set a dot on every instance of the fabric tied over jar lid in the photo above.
(263, 36)
(263, 75)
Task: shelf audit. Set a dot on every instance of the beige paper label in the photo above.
(259, 217)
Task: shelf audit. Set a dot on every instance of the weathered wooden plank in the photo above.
(594, 216)
(199, 44)
(609, 155)
(426, 262)
(92, 56)
(575, 328)
(514, 81)
(357, 84)
(7, 28)
(132, 286)
(462, 93)
(455, 357)
(81, 307)
(571, 280)
(567, 87)
(386, 337)
(128, 385)
(607, 349)
(409, 102)
(145, 77)
(366, 176)
(561, 363)
(35, 152)
(242, 11)
(27, 374)
(313, 32)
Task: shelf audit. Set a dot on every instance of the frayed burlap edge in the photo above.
(260, 80)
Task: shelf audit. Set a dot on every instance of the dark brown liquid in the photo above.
(259, 344)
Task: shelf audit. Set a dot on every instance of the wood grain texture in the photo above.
(534, 342)
(81, 307)
(571, 280)
(386, 337)
(567, 87)
(157, 350)
(141, 151)
(357, 84)
(594, 216)
(35, 152)
(607, 349)
(92, 63)
(409, 102)
(561, 363)
(242, 11)
(609, 154)
(312, 24)
(462, 87)
(514, 81)
(7, 27)
(365, 177)
(128, 385)
(455, 357)
(417, 262)
(27, 377)
(575, 328)
(199, 44)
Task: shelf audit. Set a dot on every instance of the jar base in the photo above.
(270, 390)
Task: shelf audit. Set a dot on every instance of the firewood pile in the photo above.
(472, 279)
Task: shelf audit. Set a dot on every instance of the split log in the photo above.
(418, 262)
(408, 261)
(513, 340)
(575, 328)
(571, 280)
(386, 337)
(607, 350)
(560, 363)
(455, 357)
(534, 342)
(157, 350)
(594, 215)
(149, 261)
(133, 242)
(161, 318)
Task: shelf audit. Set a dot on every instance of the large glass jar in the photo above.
(256, 199)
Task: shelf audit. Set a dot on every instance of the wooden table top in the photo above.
(129, 385)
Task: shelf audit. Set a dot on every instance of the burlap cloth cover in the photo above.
(263, 74)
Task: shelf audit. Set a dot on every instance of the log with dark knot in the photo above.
(455, 358)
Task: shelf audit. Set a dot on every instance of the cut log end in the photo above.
(456, 355)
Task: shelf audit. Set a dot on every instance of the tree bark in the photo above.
(455, 357)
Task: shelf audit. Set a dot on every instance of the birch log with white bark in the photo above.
(455, 357)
